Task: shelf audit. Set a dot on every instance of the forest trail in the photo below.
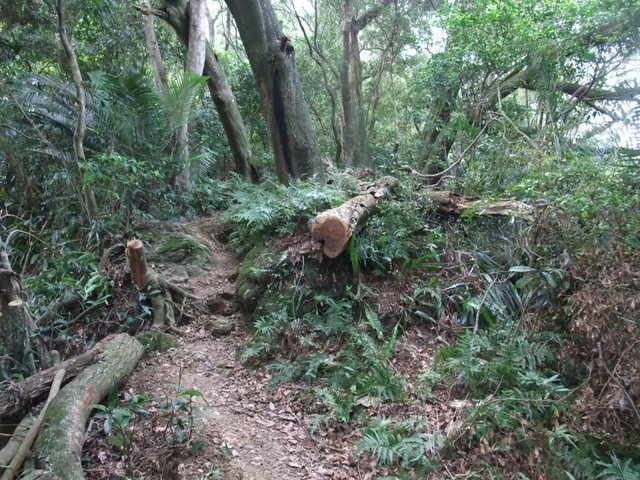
(251, 430)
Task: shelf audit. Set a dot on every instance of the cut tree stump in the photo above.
(58, 448)
(336, 226)
(158, 288)
(452, 203)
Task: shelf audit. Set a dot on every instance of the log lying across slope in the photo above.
(452, 203)
(334, 227)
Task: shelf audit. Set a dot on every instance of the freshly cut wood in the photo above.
(58, 448)
(452, 203)
(14, 398)
(25, 447)
(159, 289)
(334, 227)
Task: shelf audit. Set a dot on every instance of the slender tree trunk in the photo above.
(159, 72)
(436, 141)
(326, 70)
(176, 15)
(272, 60)
(227, 30)
(229, 114)
(196, 47)
(89, 200)
(355, 151)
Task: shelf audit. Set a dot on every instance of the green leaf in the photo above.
(117, 440)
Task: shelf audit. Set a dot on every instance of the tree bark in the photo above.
(25, 446)
(196, 47)
(19, 433)
(355, 150)
(89, 198)
(19, 339)
(336, 226)
(176, 14)
(159, 72)
(58, 448)
(272, 60)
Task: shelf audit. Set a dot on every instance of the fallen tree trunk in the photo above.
(452, 203)
(158, 288)
(336, 226)
(25, 446)
(58, 448)
(16, 397)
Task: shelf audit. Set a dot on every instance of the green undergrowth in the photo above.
(337, 346)
(258, 212)
(502, 370)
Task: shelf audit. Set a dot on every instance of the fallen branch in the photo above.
(452, 203)
(25, 446)
(334, 227)
(19, 396)
(58, 448)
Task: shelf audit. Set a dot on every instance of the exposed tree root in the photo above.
(158, 288)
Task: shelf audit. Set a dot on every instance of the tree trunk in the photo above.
(436, 142)
(58, 448)
(24, 450)
(336, 226)
(177, 16)
(19, 339)
(229, 114)
(272, 60)
(331, 85)
(159, 72)
(13, 444)
(196, 47)
(89, 198)
(355, 150)
(30, 196)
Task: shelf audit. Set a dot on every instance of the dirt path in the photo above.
(255, 426)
